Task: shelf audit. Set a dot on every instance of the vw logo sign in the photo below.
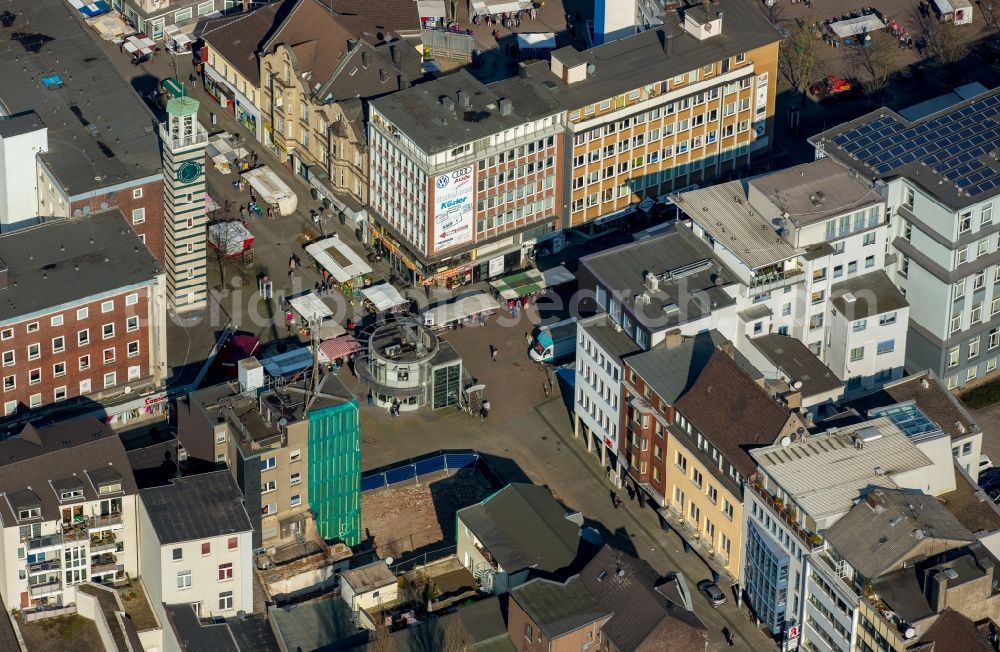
(442, 182)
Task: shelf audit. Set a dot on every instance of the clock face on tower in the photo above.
(188, 171)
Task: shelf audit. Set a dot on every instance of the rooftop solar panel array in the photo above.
(953, 145)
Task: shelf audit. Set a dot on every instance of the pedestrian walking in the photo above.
(243, 212)
(493, 353)
(614, 499)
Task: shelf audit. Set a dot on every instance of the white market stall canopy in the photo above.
(139, 46)
(557, 276)
(310, 307)
(431, 9)
(483, 7)
(181, 40)
(272, 189)
(384, 297)
(860, 25)
(537, 41)
(231, 238)
(336, 257)
(465, 307)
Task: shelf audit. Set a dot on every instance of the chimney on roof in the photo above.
(402, 81)
(394, 53)
(364, 59)
(668, 45)
(464, 100)
(673, 338)
(506, 106)
(448, 103)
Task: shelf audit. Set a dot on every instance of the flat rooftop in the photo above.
(867, 295)
(97, 124)
(815, 191)
(686, 267)
(796, 361)
(64, 261)
(794, 466)
(433, 116)
(608, 335)
(726, 215)
(655, 55)
(947, 153)
(196, 507)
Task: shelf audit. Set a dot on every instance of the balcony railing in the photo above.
(37, 590)
(103, 544)
(762, 283)
(44, 566)
(103, 566)
(489, 557)
(46, 541)
(106, 520)
(809, 539)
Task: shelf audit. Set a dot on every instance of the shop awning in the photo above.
(339, 347)
(139, 45)
(110, 27)
(860, 25)
(431, 9)
(557, 275)
(91, 9)
(288, 363)
(310, 307)
(384, 297)
(520, 285)
(335, 256)
(537, 41)
(173, 87)
(465, 307)
(230, 238)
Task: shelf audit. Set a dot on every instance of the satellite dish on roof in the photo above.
(797, 384)
(591, 69)
(388, 561)
(786, 441)
(282, 422)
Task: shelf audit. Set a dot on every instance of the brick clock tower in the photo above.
(184, 219)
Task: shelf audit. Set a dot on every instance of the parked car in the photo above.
(989, 479)
(985, 463)
(712, 592)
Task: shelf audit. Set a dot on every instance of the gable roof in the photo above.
(239, 38)
(196, 507)
(523, 526)
(559, 607)
(888, 525)
(77, 451)
(953, 631)
(626, 587)
(732, 411)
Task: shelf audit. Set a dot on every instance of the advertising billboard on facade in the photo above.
(453, 214)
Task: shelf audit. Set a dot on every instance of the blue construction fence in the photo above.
(412, 469)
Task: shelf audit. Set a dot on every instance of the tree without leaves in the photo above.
(947, 45)
(380, 639)
(875, 60)
(797, 55)
(456, 637)
(990, 9)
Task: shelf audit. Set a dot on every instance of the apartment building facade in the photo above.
(789, 506)
(294, 455)
(664, 109)
(68, 512)
(476, 179)
(808, 245)
(943, 226)
(85, 318)
(205, 561)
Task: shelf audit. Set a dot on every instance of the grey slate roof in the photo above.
(670, 372)
(636, 61)
(195, 636)
(438, 128)
(883, 529)
(97, 124)
(613, 340)
(621, 268)
(20, 124)
(37, 456)
(874, 294)
(626, 587)
(66, 260)
(800, 364)
(196, 507)
(481, 623)
(369, 577)
(523, 526)
(558, 608)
